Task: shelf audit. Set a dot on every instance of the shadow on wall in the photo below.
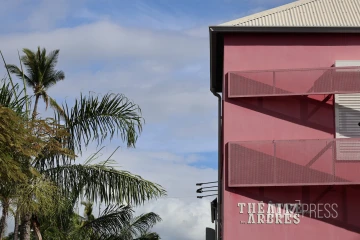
(313, 111)
(316, 111)
(289, 164)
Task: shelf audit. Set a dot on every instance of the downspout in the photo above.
(219, 199)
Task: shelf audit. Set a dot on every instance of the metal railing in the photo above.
(287, 82)
(294, 162)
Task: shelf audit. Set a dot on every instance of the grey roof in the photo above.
(303, 17)
(306, 13)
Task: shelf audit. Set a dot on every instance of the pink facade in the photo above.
(287, 119)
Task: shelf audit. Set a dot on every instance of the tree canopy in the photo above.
(40, 180)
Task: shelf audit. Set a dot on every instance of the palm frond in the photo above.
(40, 68)
(50, 62)
(140, 225)
(109, 224)
(92, 118)
(52, 78)
(45, 97)
(9, 100)
(58, 109)
(148, 236)
(31, 65)
(15, 70)
(24, 87)
(7, 69)
(101, 182)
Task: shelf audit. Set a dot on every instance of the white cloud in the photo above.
(35, 15)
(181, 220)
(47, 14)
(180, 209)
(166, 73)
(185, 217)
(166, 168)
(177, 118)
(104, 41)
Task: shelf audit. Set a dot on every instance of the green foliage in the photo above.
(38, 175)
(102, 182)
(40, 69)
(9, 100)
(117, 222)
(149, 236)
(108, 224)
(139, 226)
(88, 210)
(38, 196)
(40, 74)
(16, 148)
(94, 119)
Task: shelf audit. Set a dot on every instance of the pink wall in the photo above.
(282, 118)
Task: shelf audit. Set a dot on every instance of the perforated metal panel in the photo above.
(293, 162)
(294, 82)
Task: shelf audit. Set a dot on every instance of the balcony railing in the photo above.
(294, 82)
(294, 162)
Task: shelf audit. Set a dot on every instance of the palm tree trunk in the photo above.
(36, 227)
(5, 211)
(25, 230)
(16, 227)
(35, 106)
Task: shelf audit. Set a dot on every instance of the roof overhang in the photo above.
(216, 34)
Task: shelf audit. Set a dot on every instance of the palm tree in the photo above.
(91, 118)
(138, 227)
(40, 74)
(117, 222)
(17, 146)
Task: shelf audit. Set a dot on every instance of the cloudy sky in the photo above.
(156, 53)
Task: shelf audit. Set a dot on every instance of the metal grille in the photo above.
(294, 162)
(294, 82)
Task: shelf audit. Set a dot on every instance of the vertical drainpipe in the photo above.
(219, 200)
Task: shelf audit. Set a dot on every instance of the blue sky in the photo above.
(156, 53)
(155, 14)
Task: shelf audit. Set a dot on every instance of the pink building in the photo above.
(289, 122)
